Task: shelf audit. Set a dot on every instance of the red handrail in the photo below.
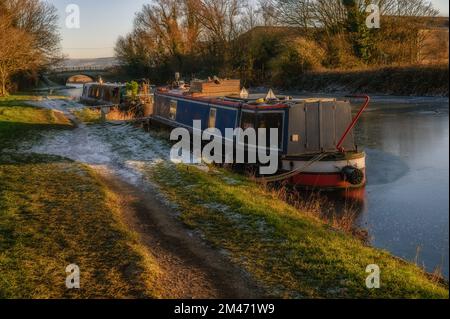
(355, 120)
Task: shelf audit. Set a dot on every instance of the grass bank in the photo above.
(88, 115)
(293, 254)
(55, 212)
(401, 80)
(18, 121)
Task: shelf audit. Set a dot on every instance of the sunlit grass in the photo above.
(54, 212)
(88, 115)
(31, 115)
(19, 121)
(289, 251)
(14, 109)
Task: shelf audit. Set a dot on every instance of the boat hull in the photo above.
(327, 181)
(328, 174)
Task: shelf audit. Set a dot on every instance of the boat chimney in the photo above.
(271, 96)
(244, 93)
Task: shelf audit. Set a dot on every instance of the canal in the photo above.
(405, 206)
(406, 203)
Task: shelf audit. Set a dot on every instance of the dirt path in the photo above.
(190, 268)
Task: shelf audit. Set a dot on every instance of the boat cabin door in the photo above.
(317, 126)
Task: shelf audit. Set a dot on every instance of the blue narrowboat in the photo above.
(316, 139)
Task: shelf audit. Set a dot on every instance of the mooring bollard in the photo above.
(104, 111)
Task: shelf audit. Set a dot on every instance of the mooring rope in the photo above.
(292, 173)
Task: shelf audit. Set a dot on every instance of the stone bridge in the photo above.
(80, 74)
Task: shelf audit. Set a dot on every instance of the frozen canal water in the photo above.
(407, 198)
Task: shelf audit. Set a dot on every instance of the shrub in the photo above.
(298, 57)
(132, 88)
(340, 54)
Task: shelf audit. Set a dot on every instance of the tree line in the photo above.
(29, 40)
(272, 41)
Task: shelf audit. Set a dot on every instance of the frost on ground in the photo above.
(124, 149)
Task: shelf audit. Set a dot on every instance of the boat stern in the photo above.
(332, 172)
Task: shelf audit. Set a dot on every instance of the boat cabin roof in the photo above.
(119, 85)
(252, 102)
(226, 101)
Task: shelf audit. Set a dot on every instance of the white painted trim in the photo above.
(324, 166)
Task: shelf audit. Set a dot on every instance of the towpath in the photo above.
(119, 154)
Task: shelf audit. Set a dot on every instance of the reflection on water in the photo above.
(75, 91)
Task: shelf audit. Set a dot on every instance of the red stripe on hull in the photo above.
(324, 181)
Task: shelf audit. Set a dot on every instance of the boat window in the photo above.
(107, 95)
(173, 110)
(212, 118)
(269, 121)
(247, 120)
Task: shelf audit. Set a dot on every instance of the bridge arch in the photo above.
(80, 79)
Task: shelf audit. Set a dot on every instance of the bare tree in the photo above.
(251, 17)
(192, 26)
(298, 13)
(134, 51)
(219, 18)
(172, 29)
(399, 38)
(267, 11)
(17, 52)
(407, 8)
(29, 38)
(331, 14)
(38, 19)
(162, 21)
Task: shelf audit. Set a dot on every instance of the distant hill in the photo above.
(100, 62)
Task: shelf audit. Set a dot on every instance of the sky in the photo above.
(103, 21)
